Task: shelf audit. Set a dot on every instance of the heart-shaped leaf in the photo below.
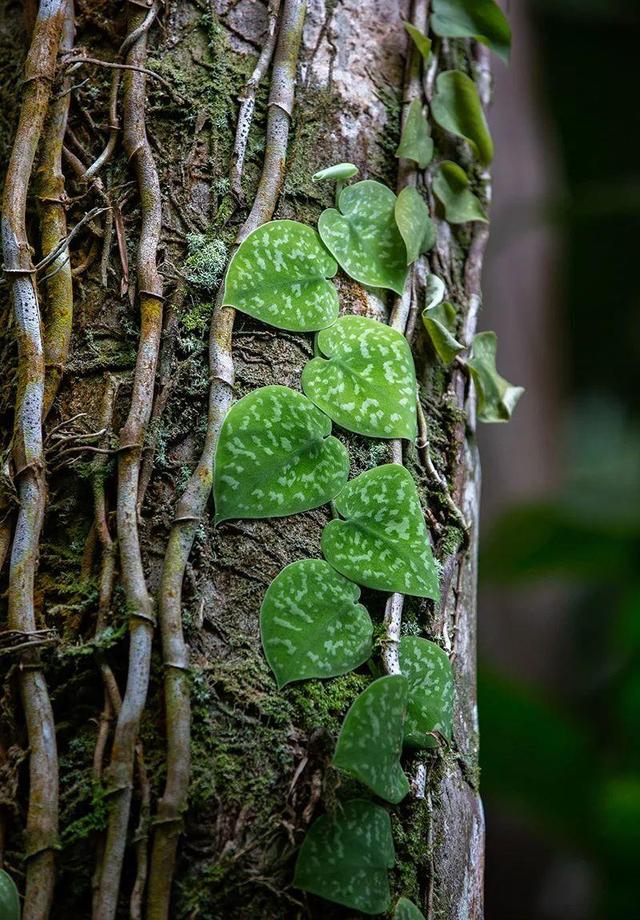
(345, 857)
(370, 742)
(312, 624)
(479, 19)
(363, 235)
(338, 172)
(457, 108)
(407, 910)
(416, 142)
(415, 225)
(440, 323)
(496, 397)
(383, 542)
(9, 898)
(451, 185)
(367, 382)
(430, 702)
(279, 275)
(275, 457)
(420, 40)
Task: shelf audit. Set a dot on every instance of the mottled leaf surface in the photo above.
(496, 397)
(9, 899)
(440, 323)
(370, 742)
(451, 185)
(420, 40)
(363, 235)
(479, 19)
(338, 172)
(279, 275)
(312, 624)
(382, 542)
(407, 910)
(430, 702)
(367, 381)
(345, 857)
(276, 456)
(457, 108)
(415, 142)
(415, 225)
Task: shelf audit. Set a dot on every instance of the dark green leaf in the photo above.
(439, 319)
(457, 108)
(430, 702)
(407, 910)
(275, 457)
(451, 185)
(420, 40)
(279, 275)
(338, 172)
(416, 143)
(9, 898)
(496, 397)
(383, 542)
(479, 19)
(312, 624)
(367, 382)
(345, 857)
(415, 225)
(363, 235)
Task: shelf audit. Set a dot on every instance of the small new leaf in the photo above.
(416, 143)
(451, 185)
(420, 40)
(407, 910)
(496, 397)
(345, 857)
(415, 225)
(364, 237)
(370, 742)
(338, 172)
(9, 898)
(276, 456)
(312, 624)
(382, 542)
(457, 108)
(440, 323)
(280, 275)
(430, 702)
(367, 381)
(479, 19)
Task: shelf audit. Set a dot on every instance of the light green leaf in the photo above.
(370, 742)
(430, 702)
(457, 108)
(440, 323)
(311, 623)
(479, 19)
(407, 910)
(367, 381)
(416, 143)
(279, 275)
(345, 857)
(275, 457)
(496, 397)
(363, 235)
(451, 185)
(415, 225)
(9, 898)
(420, 40)
(435, 291)
(383, 542)
(338, 172)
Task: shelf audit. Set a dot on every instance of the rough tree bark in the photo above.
(259, 758)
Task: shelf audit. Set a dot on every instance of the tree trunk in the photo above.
(260, 757)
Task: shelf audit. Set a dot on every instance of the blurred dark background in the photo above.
(560, 562)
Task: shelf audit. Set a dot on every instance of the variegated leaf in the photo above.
(430, 702)
(415, 225)
(407, 910)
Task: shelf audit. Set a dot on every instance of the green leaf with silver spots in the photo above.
(457, 108)
(407, 910)
(430, 702)
(415, 225)
(345, 857)
(9, 898)
(276, 456)
(363, 235)
(496, 397)
(366, 381)
(479, 19)
(420, 40)
(370, 742)
(279, 276)
(416, 142)
(382, 542)
(451, 186)
(312, 625)
(338, 172)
